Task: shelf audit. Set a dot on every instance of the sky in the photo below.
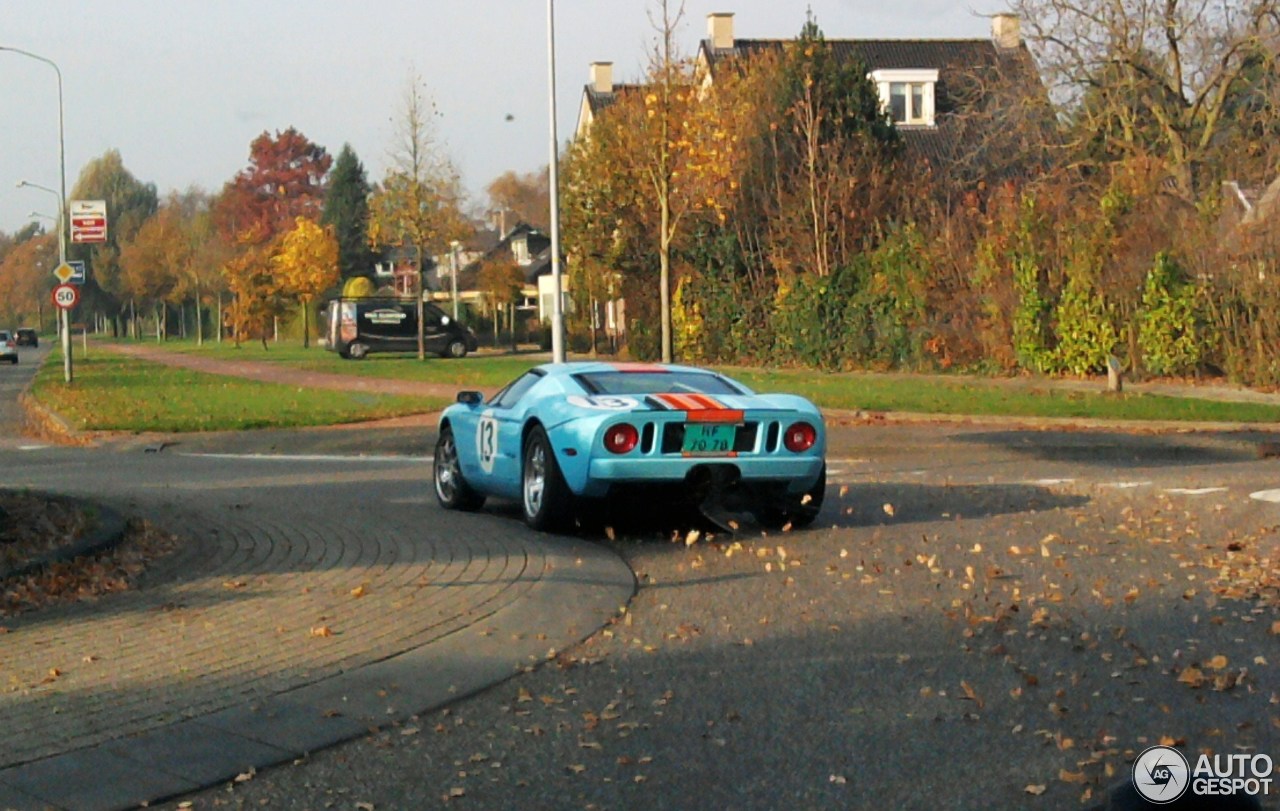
(182, 87)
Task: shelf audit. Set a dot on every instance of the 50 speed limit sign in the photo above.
(66, 296)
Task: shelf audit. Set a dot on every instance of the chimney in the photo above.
(720, 30)
(1006, 30)
(602, 77)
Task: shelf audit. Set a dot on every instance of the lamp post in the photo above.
(62, 200)
(453, 274)
(557, 305)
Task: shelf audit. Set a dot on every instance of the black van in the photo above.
(358, 326)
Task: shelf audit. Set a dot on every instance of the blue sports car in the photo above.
(563, 434)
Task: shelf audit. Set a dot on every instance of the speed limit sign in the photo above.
(66, 296)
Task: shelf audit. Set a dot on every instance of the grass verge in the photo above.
(115, 393)
(921, 394)
(931, 395)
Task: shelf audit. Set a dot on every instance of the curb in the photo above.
(107, 533)
(858, 416)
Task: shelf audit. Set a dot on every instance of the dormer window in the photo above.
(907, 95)
(521, 249)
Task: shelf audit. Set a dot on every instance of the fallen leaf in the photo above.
(1191, 676)
(576, 768)
(1218, 662)
(322, 630)
(1035, 790)
(245, 777)
(838, 779)
(888, 510)
(1072, 777)
(364, 806)
(358, 592)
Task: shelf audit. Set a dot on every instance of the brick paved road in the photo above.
(309, 601)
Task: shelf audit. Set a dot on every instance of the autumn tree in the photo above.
(417, 203)
(521, 198)
(285, 179)
(26, 277)
(500, 280)
(346, 211)
(306, 264)
(258, 297)
(130, 202)
(154, 260)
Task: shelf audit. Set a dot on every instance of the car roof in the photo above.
(580, 367)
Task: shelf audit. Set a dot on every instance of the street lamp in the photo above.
(62, 200)
(557, 305)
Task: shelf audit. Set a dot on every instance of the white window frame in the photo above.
(885, 79)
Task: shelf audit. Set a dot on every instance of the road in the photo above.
(984, 616)
(13, 379)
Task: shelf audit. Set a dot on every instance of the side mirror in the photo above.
(471, 398)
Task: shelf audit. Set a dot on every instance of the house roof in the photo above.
(540, 256)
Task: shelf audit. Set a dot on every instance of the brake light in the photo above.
(621, 438)
(800, 437)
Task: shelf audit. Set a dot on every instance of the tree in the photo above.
(346, 211)
(1150, 78)
(306, 264)
(130, 202)
(418, 202)
(258, 296)
(521, 198)
(285, 179)
(500, 281)
(151, 262)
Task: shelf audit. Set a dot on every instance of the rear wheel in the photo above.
(546, 498)
(797, 511)
(456, 349)
(357, 351)
(452, 490)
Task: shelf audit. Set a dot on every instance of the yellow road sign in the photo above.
(64, 272)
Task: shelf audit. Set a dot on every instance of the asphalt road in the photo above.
(983, 617)
(13, 379)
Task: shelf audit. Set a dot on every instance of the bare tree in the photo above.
(1150, 78)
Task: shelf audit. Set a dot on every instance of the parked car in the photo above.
(356, 327)
(26, 336)
(8, 346)
(561, 433)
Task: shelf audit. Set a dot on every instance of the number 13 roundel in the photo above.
(487, 442)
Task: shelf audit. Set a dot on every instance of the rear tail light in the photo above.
(621, 438)
(800, 437)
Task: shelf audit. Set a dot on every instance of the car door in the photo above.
(498, 436)
(435, 334)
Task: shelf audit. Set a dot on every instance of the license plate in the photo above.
(701, 438)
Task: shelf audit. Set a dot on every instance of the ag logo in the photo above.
(1161, 774)
(487, 441)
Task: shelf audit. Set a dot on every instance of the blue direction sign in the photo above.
(77, 273)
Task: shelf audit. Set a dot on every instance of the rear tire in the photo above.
(452, 490)
(797, 511)
(547, 501)
(455, 349)
(357, 351)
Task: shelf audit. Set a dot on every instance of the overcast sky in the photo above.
(181, 87)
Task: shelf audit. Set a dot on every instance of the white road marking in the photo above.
(1272, 496)
(307, 457)
(1124, 485)
(1049, 482)
(1195, 491)
(32, 447)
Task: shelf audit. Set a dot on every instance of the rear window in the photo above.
(4, 336)
(655, 383)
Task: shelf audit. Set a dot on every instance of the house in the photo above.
(933, 89)
(527, 248)
(397, 273)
